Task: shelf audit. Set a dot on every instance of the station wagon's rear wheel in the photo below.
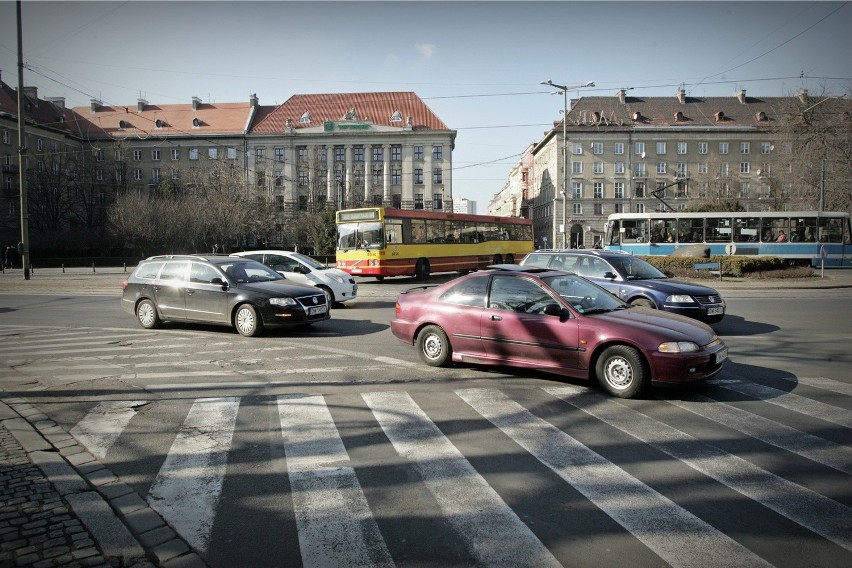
(433, 346)
(622, 371)
(247, 322)
(146, 314)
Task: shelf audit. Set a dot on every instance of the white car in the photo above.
(337, 285)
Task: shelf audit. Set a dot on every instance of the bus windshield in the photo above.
(368, 235)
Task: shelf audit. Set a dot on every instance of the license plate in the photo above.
(715, 311)
(317, 310)
(721, 355)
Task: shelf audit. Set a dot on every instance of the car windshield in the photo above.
(244, 272)
(586, 297)
(632, 268)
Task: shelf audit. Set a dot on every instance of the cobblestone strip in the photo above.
(59, 506)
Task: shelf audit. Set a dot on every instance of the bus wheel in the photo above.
(497, 259)
(380, 278)
(421, 269)
(510, 259)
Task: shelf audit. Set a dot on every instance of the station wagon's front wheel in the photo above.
(433, 346)
(247, 322)
(622, 371)
(146, 314)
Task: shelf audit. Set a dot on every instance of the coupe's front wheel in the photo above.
(622, 371)
(433, 346)
(247, 322)
(146, 314)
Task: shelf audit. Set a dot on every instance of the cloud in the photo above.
(426, 50)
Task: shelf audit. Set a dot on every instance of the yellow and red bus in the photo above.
(380, 241)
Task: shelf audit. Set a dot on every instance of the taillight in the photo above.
(124, 285)
(398, 309)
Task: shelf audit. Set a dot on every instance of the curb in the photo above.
(128, 533)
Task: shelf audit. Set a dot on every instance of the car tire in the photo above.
(643, 303)
(434, 347)
(247, 322)
(421, 269)
(146, 314)
(622, 371)
(329, 295)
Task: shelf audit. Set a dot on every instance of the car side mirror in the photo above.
(220, 282)
(554, 310)
(609, 275)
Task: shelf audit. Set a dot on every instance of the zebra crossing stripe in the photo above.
(635, 506)
(497, 537)
(336, 526)
(812, 447)
(186, 490)
(809, 509)
(102, 426)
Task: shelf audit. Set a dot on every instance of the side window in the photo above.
(202, 274)
(174, 271)
(280, 263)
(518, 295)
(593, 267)
(257, 257)
(149, 270)
(539, 260)
(471, 292)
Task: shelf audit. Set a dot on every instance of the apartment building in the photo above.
(635, 154)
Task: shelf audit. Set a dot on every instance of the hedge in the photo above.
(731, 265)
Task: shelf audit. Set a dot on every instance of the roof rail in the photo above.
(176, 256)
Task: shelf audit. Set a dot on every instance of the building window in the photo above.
(619, 167)
(378, 154)
(745, 189)
(339, 154)
(681, 148)
(418, 201)
(279, 203)
(155, 175)
(175, 154)
(212, 153)
(303, 178)
(723, 169)
(437, 201)
(303, 203)
(7, 137)
(260, 179)
(661, 148)
(597, 148)
(118, 155)
(99, 156)
(396, 153)
(119, 177)
(619, 208)
(702, 167)
(418, 175)
(598, 167)
(378, 176)
(437, 152)
(259, 154)
(639, 169)
(358, 153)
(137, 174)
(576, 168)
(723, 148)
(639, 208)
(137, 155)
(681, 169)
(232, 153)
(619, 148)
(302, 153)
(597, 190)
(702, 147)
(765, 147)
(639, 189)
(788, 147)
(618, 190)
(279, 179)
(598, 209)
(279, 154)
(576, 148)
(155, 155)
(99, 174)
(175, 174)
(396, 176)
(39, 145)
(418, 152)
(438, 175)
(576, 190)
(745, 167)
(639, 148)
(193, 153)
(744, 147)
(661, 167)
(577, 208)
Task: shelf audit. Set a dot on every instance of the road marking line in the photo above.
(102, 426)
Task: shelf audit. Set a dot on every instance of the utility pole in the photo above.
(24, 247)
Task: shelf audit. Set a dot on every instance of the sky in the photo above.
(478, 65)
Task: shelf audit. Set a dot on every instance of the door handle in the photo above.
(496, 318)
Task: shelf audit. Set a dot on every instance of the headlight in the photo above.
(338, 279)
(680, 299)
(678, 347)
(282, 301)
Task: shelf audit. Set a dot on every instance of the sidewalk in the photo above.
(60, 507)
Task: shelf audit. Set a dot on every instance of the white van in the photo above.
(337, 285)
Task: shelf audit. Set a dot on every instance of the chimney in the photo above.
(803, 96)
(741, 96)
(140, 104)
(96, 105)
(253, 100)
(32, 92)
(196, 102)
(58, 102)
(622, 96)
(681, 96)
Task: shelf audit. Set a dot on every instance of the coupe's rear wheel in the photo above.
(146, 314)
(247, 322)
(622, 371)
(433, 346)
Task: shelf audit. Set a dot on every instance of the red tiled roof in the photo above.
(165, 120)
(38, 111)
(377, 108)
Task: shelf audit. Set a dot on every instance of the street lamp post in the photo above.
(564, 91)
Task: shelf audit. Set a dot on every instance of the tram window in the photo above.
(803, 229)
(772, 227)
(830, 231)
(634, 231)
(718, 231)
(690, 231)
(662, 230)
(746, 229)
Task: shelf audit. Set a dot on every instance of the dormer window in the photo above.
(196, 122)
(159, 123)
(720, 116)
(122, 124)
(637, 116)
(305, 118)
(678, 116)
(761, 117)
(396, 116)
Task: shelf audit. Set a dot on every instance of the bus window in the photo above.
(434, 231)
(452, 232)
(393, 230)
(690, 231)
(662, 230)
(746, 229)
(803, 229)
(418, 231)
(718, 230)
